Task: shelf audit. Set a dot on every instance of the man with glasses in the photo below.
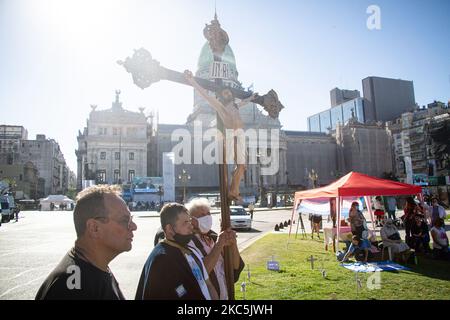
(104, 229)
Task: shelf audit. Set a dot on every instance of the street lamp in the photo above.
(184, 177)
(262, 201)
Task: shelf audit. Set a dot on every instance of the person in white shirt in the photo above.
(391, 238)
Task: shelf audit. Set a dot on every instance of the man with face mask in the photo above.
(173, 271)
(210, 245)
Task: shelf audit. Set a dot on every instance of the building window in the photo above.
(101, 176)
(116, 176)
(102, 155)
(130, 175)
(131, 156)
(117, 155)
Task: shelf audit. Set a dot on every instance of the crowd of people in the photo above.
(423, 222)
(187, 263)
(144, 205)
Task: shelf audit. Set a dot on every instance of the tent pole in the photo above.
(338, 224)
(369, 208)
(298, 224)
(292, 218)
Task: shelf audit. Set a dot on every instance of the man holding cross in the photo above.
(228, 111)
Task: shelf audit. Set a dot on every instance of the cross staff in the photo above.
(145, 71)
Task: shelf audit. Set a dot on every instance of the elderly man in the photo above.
(173, 271)
(104, 229)
(211, 246)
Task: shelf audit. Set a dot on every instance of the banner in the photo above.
(169, 176)
(321, 206)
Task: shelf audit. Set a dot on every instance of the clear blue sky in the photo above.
(59, 56)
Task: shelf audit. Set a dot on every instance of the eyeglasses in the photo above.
(125, 222)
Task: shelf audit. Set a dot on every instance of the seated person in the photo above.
(440, 240)
(357, 246)
(420, 237)
(391, 238)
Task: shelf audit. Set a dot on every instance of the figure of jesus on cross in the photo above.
(228, 111)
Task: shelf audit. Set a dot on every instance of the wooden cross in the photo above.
(146, 71)
(311, 259)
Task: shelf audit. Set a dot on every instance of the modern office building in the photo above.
(327, 120)
(383, 100)
(386, 99)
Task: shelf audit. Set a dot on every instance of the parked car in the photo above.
(239, 218)
(8, 207)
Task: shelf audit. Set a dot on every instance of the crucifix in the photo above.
(311, 259)
(145, 71)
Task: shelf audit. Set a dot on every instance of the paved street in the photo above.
(32, 247)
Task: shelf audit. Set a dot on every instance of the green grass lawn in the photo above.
(429, 279)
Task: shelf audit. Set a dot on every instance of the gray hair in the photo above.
(197, 203)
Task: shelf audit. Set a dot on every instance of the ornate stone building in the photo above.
(113, 146)
(292, 155)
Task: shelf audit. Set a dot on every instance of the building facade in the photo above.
(307, 152)
(386, 99)
(421, 147)
(46, 154)
(21, 156)
(113, 146)
(24, 178)
(364, 148)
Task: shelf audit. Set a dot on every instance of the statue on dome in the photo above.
(216, 36)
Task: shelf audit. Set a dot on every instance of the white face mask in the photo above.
(204, 223)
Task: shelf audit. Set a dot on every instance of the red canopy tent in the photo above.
(357, 185)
